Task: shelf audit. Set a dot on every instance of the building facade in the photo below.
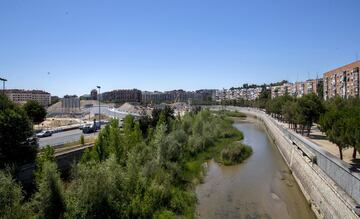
(174, 96)
(342, 81)
(287, 88)
(22, 96)
(238, 93)
(94, 94)
(297, 89)
(70, 103)
(122, 96)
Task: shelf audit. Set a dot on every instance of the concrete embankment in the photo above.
(326, 197)
(64, 159)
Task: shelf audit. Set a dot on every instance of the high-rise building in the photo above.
(22, 96)
(342, 81)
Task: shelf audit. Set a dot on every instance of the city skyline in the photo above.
(70, 47)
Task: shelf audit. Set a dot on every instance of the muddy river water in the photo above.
(260, 187)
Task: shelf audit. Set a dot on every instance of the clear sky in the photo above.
(70, 46)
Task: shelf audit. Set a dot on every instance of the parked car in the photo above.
(81, 127)
(44, 134)
(89, 128)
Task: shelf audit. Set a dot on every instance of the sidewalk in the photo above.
(320, 139)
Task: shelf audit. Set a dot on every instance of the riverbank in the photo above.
(326, 199)
(260, 187)
(196, 168)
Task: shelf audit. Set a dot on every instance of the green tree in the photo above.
(48, 201)
(309, 109)
(333, 123)
(97, 191)
(35, 111)
(101, 148)
(47, 154)
(15, 131)
(11, 198)
(289, 111)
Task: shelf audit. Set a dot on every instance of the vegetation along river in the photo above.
(260, 187)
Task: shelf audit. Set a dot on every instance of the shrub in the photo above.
(10, 198)
(82, 139)
(48, 201)
(235, 153)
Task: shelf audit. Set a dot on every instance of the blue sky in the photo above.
(70, 46)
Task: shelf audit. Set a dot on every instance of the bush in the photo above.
(82, 140)
(11, 198)
(182, 202)
(235, 153)
(35, 111)
(165, 214)
(15, 131)
(95, 191)
(48, 201)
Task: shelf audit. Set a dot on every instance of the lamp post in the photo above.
(99, 104)
(3, 80)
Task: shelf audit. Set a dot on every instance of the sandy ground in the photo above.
(319, 138)
(58, 122)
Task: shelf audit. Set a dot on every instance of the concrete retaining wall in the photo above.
(64, 161)
(327, 198)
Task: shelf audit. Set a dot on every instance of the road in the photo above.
(114, 113)
(74, 135)
(63, 137)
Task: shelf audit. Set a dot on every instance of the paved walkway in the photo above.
(319, 138)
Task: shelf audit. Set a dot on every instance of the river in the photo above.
(261, 187)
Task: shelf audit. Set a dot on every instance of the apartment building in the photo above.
(287, 88)
(122, 96)
(22, 96)
(238, 93)
(313, 85)
(297, 89)
(174, 96)
(342, 81)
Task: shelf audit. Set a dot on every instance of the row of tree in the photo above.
(340, 122)
(299, 113)
(144, 170)
(338, 118)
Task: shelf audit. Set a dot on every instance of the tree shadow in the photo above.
(318, 137)
(355, 165)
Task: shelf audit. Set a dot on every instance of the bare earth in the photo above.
(319, 138)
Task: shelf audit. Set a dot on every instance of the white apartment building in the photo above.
(22, 96)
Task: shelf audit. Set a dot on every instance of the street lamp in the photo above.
(99, 104)
(3, 80)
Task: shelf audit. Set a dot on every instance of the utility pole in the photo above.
(99, 105)
(3, 80)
